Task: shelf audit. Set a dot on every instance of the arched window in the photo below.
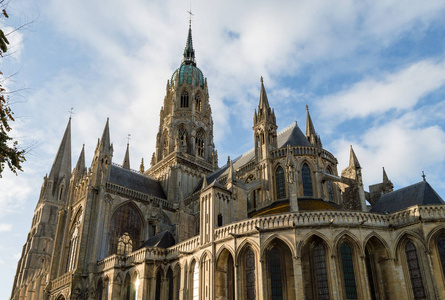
(348, 271)
(369, 264)
(414, 271)
(199, 141)
(307, 180)
(158, 285)
(330, 187)
(165, 143)
(276, 282)
(182, 136)
(220, 220)
(252, 198)
(250, 275)
(279, 183)
(185, 99)
(198, 102)
(125, 244)
(195, 282)
(74, 240)
(170, 284)
(320, 271)
(125, 230)
(441, 248)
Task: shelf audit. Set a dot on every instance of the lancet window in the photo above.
(74, 241)
(125, 230)
(320, 271)
(414, 271)
(276, 282)
(184, 99)
(307, 180)
(330, 187)
(182, 136)
(441, 248)
(250, 275)
(195, 282)
(280, 183)
(348, 271)
(199, 141)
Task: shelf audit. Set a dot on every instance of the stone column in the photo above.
(298, 278)
(333, 278)
(236, 284)
(262, 280)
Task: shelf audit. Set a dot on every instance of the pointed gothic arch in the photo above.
(198, 101)
(125, 232)
(306, 180)
(73, 242)
(225, 276)
(200, 142)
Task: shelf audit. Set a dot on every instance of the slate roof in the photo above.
(162, 240)
(420, 193)
(135, 181)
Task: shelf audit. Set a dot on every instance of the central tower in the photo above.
(184, 145)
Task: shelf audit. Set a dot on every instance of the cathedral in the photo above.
(279, 222)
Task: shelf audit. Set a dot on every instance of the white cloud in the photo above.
(5, 227)
(401, 90)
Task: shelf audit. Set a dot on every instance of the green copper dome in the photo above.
(188, 72)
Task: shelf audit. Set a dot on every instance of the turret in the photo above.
(102, 157)
(354, 194)
(264, 127)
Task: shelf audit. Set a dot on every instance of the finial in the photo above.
(261, 79)
(71, 112)
(307, 107)
(190, 15)
(128, 139)
(423, 175)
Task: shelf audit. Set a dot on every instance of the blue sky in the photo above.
(372, 73)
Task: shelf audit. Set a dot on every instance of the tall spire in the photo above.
(62, 163)
(353, 161)
(126, 162)
(105, 140)
(264, 103)
(311, 135)
(189, 52)
(80, 166)
(309, 125)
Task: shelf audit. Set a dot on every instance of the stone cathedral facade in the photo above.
(279, 222)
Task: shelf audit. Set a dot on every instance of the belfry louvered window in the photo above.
(441, 248)
(307, 180)
(319, 266)
(279, 183)
(414, 271)
(185, 99)
(125, 230)
(250, 275)
(348, 271)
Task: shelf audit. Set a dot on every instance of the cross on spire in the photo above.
(190, 14)
(423, 176)
(71, 112)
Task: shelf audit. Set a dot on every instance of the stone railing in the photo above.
(114, 188)
(61, 281)
(186, 246)
(304, 150)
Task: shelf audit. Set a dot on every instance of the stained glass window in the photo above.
(441, 247)
(125, 230)
(250, 275)
(276, 283)
(321, 278)
(348, 271)
(125, 244)
(414, 271)
(307, 180)
(185, 99)
(280, 184)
